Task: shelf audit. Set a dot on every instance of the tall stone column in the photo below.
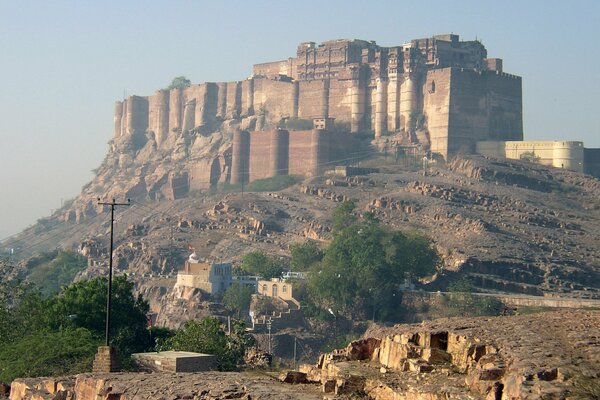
(250, 97)
(408, 102)
(175, 109)
(222, 99)
(381, 107)
(130, 116)
(189, 114)
(319, 152)
(279, 152)
(118, 118)
(357, 106)
(240, 157)
(393, 120)
(162, 116)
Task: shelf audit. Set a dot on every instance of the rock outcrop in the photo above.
(537, 356)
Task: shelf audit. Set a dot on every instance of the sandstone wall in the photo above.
(436, 108)
(274, 98)
(260, 150)
(301, 159)
(310, 103)
(340, 99)
(483, 106)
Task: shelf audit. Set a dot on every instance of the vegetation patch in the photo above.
(273, 184)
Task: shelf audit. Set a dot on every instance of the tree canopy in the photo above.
(208, 336)
(59, 334)
(304, 255)
(179, 82)
(364, 265)
(261, 264)
(237, 299)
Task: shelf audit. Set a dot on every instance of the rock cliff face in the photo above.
(539, 356)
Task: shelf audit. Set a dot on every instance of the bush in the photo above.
(207, 336)
(273, 184)
(48, 353)
(52, 275)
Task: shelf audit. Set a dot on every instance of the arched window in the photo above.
(432, 87)
(274, 291)
(264, 289)
(284, 290)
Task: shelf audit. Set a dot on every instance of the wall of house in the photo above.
(276, 288)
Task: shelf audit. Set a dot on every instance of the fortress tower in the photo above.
(440, 92)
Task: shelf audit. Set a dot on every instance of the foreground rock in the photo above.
(538, 356)
(165, 386)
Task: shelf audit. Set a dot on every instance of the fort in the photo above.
(440, 94)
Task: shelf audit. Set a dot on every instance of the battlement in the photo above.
(445, 88)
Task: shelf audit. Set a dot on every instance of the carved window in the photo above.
(432, 87)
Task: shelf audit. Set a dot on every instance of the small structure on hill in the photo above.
(213, 278)
(277, 288)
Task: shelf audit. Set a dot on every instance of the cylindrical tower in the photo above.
(408, 102)
(118, 117)
(279, 152)
(393, 117)
(240, 157)
(189, 114)
(357, 106)
(222, 99)
(124, 118)
(319, 152)
(381, 107)
(175, 109)
(250, 97)
(162, 116)
(130, 119)
(568, 155)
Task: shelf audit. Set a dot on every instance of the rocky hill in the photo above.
(512, 226)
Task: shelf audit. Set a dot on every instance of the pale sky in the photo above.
(64, 63)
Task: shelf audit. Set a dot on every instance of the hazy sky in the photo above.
(64, 63)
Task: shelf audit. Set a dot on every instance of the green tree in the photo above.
(83, 304)
(179, 82)
(343, 216)
(364, 265)
(261, 264)
(305, 255)
(237, 299)
(50, 276)
(207, 336)
(48, 353)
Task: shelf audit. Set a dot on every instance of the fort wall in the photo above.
(560, 154)
(449, 88)
(591, 162)
(483, 106)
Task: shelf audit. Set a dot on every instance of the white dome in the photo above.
(194, 258)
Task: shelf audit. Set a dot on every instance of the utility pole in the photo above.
(294, 353)
(112, 204)
(269, 322)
